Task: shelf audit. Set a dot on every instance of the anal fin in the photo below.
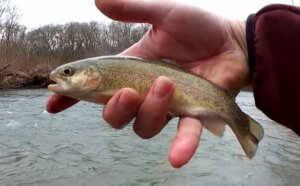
(214, 125)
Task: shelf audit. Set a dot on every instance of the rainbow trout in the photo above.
(97, 79)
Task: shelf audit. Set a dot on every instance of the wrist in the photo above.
(237, 32)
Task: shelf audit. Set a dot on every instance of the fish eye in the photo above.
(68, 71)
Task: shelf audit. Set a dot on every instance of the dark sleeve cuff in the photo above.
(273, 41)
(250, 44)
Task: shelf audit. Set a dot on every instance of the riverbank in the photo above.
(37, 77)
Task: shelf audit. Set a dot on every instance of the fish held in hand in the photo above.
(97, 79)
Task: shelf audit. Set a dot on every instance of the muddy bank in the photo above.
(11, 78)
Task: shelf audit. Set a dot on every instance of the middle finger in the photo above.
(151, 117)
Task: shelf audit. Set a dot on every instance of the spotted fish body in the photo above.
(98, 79)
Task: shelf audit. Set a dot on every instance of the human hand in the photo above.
(200, 42)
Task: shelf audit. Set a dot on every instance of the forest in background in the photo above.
(28, 56)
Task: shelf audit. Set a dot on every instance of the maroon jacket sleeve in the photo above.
(273, 40)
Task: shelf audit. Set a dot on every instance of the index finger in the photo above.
(57, 103)
(186, 141)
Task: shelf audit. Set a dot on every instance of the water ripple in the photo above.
(77, 147)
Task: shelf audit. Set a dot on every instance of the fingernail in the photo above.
(162, 87)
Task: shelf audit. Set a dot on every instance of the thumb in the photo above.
(139, 11)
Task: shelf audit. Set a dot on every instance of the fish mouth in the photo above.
(55, 87)
(53, 76)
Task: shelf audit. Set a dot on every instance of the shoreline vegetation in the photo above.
(27, 56)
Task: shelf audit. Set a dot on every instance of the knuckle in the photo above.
(141, 132)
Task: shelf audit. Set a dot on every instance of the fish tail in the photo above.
(250, 139)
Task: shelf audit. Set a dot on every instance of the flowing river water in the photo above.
(77, 147)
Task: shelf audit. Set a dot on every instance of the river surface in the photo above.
(76, 147)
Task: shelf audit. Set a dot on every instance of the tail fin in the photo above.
(256, 129)
(250, 141)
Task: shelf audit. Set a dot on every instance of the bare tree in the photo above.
(44, 42)
(38, 51)
(123, 35)
(52, 45)
(4, 6)
(11, 32)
